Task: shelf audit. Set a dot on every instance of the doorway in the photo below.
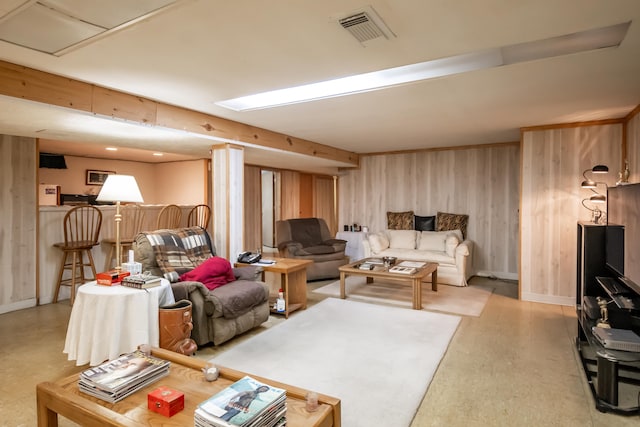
(270, 209)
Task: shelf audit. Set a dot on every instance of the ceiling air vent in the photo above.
(366, 25)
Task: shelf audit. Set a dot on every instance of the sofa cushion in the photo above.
(400, 220)
(238, 297)
(416, 255)
(424, 223)
(448, 221)
(402, 239)
(317, 250)
(213, 273)
(306, 231)
(378, 242)
(432, 241)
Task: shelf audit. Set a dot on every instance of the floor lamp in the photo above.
(119, 188)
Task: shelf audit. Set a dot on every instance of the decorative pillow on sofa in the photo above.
(424, 223)
(451, 244)
(213, 273)
(449, 221)
(432, 241)
(378, 242)
(400, 220)
(402, 239)
(441, 241)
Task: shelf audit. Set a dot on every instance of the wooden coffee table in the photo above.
(293, 282)
(380, 272)
(63, 398)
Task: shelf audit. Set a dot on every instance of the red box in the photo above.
(165, 401)
(111, 277)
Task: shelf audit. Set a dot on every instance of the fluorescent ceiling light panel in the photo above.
(57, 26)
(563, 45)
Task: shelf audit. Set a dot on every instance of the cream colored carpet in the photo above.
(378, 360)
(466, 301)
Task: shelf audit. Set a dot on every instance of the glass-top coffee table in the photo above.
(413, 275)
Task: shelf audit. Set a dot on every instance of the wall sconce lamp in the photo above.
(589, 183)
(119, 188)
(596, 198)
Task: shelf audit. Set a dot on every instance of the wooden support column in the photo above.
(227, 176)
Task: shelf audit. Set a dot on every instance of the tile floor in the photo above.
(515, 365)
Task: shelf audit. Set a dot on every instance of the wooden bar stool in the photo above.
(81, 229)
(200, 215)
(132, 219)
(169, 217)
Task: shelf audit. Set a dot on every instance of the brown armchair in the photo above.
(219, 314)
(310, 238)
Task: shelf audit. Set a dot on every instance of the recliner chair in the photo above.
(310, 238)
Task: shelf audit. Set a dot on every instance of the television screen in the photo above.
(622, 247)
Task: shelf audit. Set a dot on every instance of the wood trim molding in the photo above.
(572, 125)
(632, 114)
(30, 84)
(422, 150)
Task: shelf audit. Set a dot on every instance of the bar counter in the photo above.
(51, 231)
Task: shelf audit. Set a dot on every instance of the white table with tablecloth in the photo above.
(107, 321)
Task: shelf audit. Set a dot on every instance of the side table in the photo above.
(293, 282)
(354, 249)
(107, 321)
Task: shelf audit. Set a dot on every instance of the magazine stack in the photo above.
(114, 380)
(245, 403)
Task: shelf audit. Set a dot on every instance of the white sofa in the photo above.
(447, 248)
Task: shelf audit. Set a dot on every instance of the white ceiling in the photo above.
(203, 51)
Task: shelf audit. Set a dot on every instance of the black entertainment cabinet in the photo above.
(613, 375)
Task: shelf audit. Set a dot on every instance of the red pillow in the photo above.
(212, 273)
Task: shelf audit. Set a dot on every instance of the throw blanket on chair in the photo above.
(181, 250)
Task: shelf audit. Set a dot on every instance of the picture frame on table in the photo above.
(97, 177)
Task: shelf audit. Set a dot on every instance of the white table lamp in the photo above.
(119, 188)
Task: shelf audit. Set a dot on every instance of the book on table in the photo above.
(142, 281)
(116, 379)
(402, 270)
(366, 266)
(412, 264)
(245, 403)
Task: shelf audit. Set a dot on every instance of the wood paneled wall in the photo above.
(252, 208)
(18, 222)
(290, 194)
(324, 201)
(552, 164)
(633, 146)
(481, 182)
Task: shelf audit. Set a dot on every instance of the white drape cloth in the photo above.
(107, 321)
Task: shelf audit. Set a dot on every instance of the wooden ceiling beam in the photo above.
(30, 84)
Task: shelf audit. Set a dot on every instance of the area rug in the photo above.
(378, 360)
(466, 301)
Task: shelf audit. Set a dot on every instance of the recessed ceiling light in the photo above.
(158, 154)
(111, 149)
(566, 44)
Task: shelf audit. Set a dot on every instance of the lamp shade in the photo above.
(600, 169)
(588, 184)
(598, 198)
(120, 188)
